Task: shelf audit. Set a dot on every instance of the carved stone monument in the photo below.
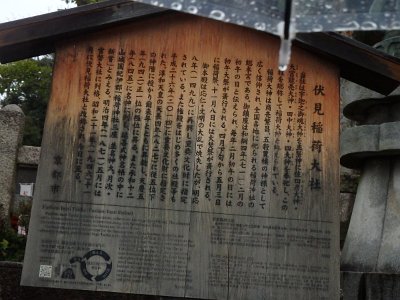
(372, 244)
(178, 160)
(12, 122)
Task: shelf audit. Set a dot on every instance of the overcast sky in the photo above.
(11, 10)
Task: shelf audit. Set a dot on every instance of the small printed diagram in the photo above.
(95, 266)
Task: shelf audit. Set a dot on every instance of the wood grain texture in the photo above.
(29, 37)
(38, 35)
(356, 60)
(178, 161)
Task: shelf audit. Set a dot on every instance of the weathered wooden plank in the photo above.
(38, 35)
(178, 162)
(358, 62)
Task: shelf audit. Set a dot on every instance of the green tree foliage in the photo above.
(27, 84)
(12, 245)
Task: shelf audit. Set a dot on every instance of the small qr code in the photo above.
(45, 271)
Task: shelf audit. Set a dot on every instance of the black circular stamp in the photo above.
(85, 261)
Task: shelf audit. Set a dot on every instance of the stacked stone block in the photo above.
(371, 251)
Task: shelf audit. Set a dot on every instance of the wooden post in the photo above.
(178, 161)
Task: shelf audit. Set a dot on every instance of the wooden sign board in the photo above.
(177, 160)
